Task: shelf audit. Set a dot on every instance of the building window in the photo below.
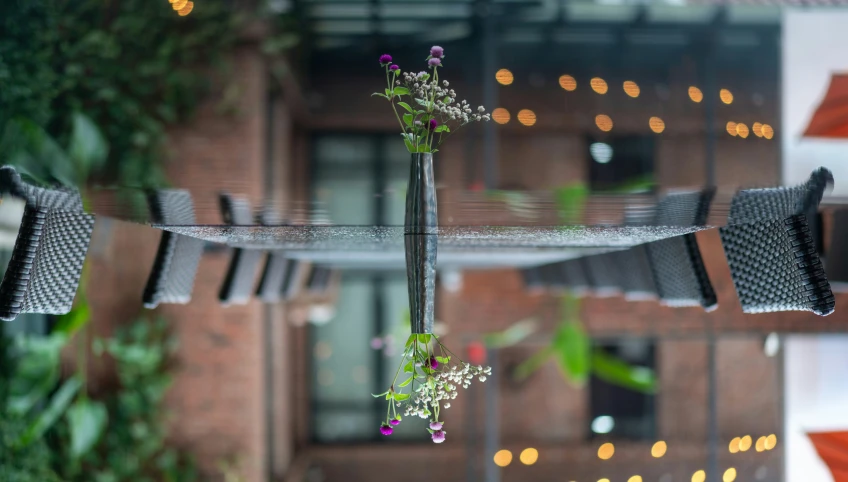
(620, 163)
(621, 412)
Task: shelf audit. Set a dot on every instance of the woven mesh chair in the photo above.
(604, 273)
(44, 271)
(772, 256)
(175, 267)
(679, 273)
(238, 282)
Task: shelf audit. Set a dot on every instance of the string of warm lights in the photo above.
(568, 83)
(529, 456)
(182, 7)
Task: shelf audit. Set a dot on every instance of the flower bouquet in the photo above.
(433, 377)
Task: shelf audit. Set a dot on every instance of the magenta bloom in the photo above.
(437, 51)
(394, 67)
(386, 429)
(394, 421)
(385, 59)
(435, 425)
(432, 362)
(438, 436)
(432, 126)
(435, 61)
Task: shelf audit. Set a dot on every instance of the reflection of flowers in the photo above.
(430, 365)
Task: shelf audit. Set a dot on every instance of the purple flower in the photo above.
(437, 51)
(394, 421)
(433, 124)
(438, 436)
(435, 425)
(435, 61)
(385, 59)
(386, 429)
(376, 343)
(394, 67)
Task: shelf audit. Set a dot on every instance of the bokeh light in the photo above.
(603, 122)
(606, 451)
(504, 77)
(189, 6)
(760, 446)
(529, 456)
(745, 443)
(757, 128)
(731, 128)
(657, 125)
(599, 85)
(695, 94)
(503, 458)
(768, 132)
(729, 475)
(178, 4)
(734, 445)
(725, 96)
(771, 442)
(526, 117)
(742, 130)
(699, 476)
(604, 480)
(635, 478)
(659, 449)
(567, 82)
(500, 115)
(631, 88)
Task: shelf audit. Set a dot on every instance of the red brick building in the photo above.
(286, 400)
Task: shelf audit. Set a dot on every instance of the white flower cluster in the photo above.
(446, 104)
(445, 385)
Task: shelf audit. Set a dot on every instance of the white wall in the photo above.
(814, 46)
(816, 397)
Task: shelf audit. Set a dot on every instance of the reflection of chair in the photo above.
(679, 273)
(604, 273)
(772, 256)
(44, 271)
(238, 282)
(172, 277)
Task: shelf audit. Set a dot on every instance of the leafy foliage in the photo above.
(571, 349)
(22, 463)
(133, 66)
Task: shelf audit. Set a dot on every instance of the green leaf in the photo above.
(406, 382)
(532, 364)
(36, 371)
(447, 99)
(55, 408)
(379, 95)
(71, 322)
(87, 421)
(88, 148)
(401, 91)
(408, 367)
(618, 372)
(424, 338)
(388, 93)
(407, 119)
(444, 360)
(570, 201)
(399, 397)
(405, 106)
(410, 341)
(426, 103)
(442, 128)
(571, 346)
(512, 335)
(380, 394)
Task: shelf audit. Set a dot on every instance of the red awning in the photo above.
(833, 449)
(831, 118)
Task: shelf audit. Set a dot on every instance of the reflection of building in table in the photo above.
(318, 141)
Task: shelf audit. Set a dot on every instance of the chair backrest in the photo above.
(771, 253)
(241, 273)
(44, 271)
(679, 273)
(175, 267)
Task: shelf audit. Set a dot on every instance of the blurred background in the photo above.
(271, 100)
